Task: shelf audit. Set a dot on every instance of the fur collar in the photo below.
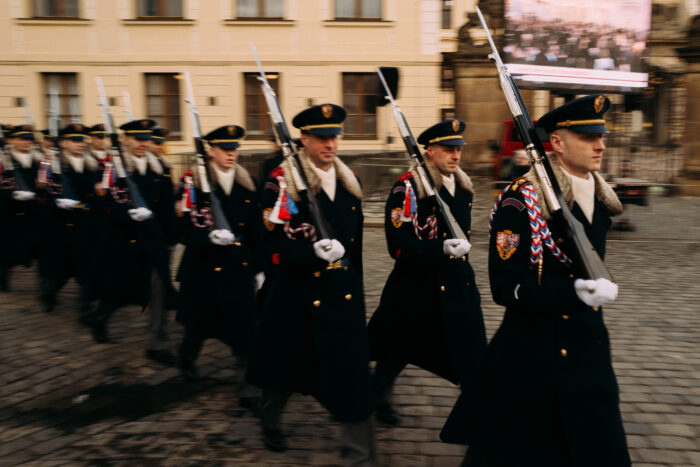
(34, 155)
(344, 175)
(153, 162)
(603, 192)
(461, 179)
(241, 177)
(90, 162)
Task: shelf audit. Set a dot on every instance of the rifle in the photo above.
(592, 264)
(127, 106)
(55, 153)
(124, 179)
(290, 153)
(455, 231)
(210, 197)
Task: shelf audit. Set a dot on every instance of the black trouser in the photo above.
(385, 375)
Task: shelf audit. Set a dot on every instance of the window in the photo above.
(163, 102)
(159, 8)
(447, 14)
(358, 9)
(55, 8)
(447, 114)
(260, 9)
(66, 86)
(360, 102)
(257, 121)
(447, 80)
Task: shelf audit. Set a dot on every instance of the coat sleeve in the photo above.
(509, 264)
(253, 235)
(401, 237)
(190, 234)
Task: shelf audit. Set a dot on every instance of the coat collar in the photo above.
(461, 179)
(241, 177)
(603, 192)
(153, 162)
(344, 175)
(90, 162)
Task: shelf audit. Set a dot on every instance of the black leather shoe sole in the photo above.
(274, 440)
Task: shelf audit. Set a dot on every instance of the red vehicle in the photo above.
(510, 143)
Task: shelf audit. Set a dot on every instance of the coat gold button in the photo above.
(564, 353)
(353, 208)
(444, 235)
(217, 269)
(571, 275)
(469, 232)
(560, 240)
(469, 205)
(69, 225)
(469, 283)
(132, 241)
(244, 264)
(352, 240)
(236, 243)
(464, 258)
(20, 213)
(595, 308)
(247, 201)
(241, 224)
(317, 303)
(442, 287)
(565, 316)
(317, 274)
(348, 297)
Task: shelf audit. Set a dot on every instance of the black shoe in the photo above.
(188, 370)
(4, 282)
(97, 327)
(274, 439)
(386, 414)
(163, 356)
(48, 304)
(250, 402)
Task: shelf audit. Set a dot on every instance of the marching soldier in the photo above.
(545, 392)
(134, 244)
(48, 142)
(311, 336)
(18, 206)
(97, 142)
(67, 225)
(430, 311)
(218, 268)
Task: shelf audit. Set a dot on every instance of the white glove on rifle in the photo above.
(21, 195)
(259, 280)
(595, 292)
(65, 203)
(140, 214)
(329, 249)
(221, 237)
(456, 247)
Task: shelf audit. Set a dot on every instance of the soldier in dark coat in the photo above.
(430, 311)
(134, 243)
(97, 142)
(311, 336)
(68, 229)
(219, 266)
(18, 204)
(545, 392)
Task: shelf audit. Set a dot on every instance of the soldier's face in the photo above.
(73, 148)
(137, 147)
(321, 149)
(223, 158)
(445, 158)
(47, 144)
(21, 144)
(155, 148)
(578, 153)
(98, 144)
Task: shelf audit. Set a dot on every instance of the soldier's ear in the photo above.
(557, 140)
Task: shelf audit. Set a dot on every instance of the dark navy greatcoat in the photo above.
(430, 311)
(545, 393)
(217, 297)
(311, 336)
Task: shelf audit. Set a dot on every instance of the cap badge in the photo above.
(455, 125)
(26, 128)
(78, 127)
(231, 129)
(144, 123)
(598, 104)
(327, 110)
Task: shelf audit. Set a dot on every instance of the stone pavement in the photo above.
(65, 400)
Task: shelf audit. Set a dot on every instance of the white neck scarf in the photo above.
(327, 180)
(77, 162)
(24, 158)
(584, 193)
(449, 183)
(99, 155)
(225, 179)
(141, 164)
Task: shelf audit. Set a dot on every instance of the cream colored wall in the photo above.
(307, 49)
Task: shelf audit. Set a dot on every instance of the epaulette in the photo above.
(518, 183)
(406, 176)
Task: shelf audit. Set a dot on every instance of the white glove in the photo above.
(65, 203)
(595, 292)
(259, 279)
(221, 237)
(140, 214)
(20, 195)
(456, 247)
(329, 249)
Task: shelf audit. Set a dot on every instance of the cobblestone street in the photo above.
(65, 400)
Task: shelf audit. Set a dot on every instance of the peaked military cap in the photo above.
(159, 135)
(447, 133)
(98, 131)
(21, 131)
(321, 119)
(74, 131)
(47, 135)
(582, 115)
(226, 137)
(139, 129)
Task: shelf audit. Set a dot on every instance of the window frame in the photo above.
(161, 6)
(267, 133)
(261, 8)
(367, 94)
(358, 12)
(53, 5)
(165, 120)
(64, 97)
(446, 13)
